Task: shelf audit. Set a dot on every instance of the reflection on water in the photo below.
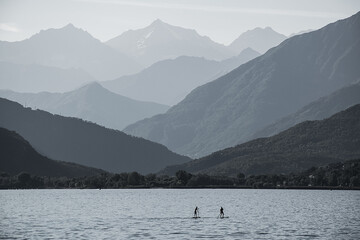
(166, 213)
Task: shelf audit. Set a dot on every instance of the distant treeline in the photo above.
(337, 175)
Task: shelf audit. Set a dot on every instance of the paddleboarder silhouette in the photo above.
(221, 212)
(196, 212)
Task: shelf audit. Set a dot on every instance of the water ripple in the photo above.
(167, 213)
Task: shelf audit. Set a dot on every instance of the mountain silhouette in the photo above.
(69, 47)
(77, 141)
(308, 144)
(317, 110)
(91, 102)
(244, 56)
(169, 81)
(259, 39)
(17, 155)
(229, 110)
(160, 41)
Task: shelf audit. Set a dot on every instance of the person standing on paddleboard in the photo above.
(196, 212)
(221, 212)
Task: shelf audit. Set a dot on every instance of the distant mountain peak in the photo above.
(248, 50)
(73, 29)
(69, 26)
(259, 30)
(254, 38)
(157, 22)
(93, 86)
(160, 27)
(69, 31)
(160, 40)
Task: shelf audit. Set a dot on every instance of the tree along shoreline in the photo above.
(200, 187)
(335, 176)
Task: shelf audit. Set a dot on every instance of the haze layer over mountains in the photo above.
(36, 78)
(229, 110)
(61, 60)
(91, 102)
(169, 81)
(65, 60)
(69, 47)
(161, 41)
(261, 85)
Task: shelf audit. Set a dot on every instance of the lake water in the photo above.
(167, 214)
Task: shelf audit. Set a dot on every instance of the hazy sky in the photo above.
(221, 20)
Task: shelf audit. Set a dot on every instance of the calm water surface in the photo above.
(167, 214)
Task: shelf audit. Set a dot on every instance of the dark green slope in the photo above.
(74, 140)
(17, 155)
(311, 143)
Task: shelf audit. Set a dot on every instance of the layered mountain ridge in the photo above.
(69, 47)
(317, 110)
(91, 102)
(255, 39)
(77, 141)
(229, 110)
(169, 81)
(160, 41)
(17, 156)
(308, 144)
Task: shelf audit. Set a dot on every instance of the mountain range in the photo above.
(306, 77)
(229, 110)
(69, 47)
(255, 39)
(60, 60)
(91, 102)
(308, 144)
(169, 81)
(77, 141)
(160, 41)
(317, 110)
(17, 155)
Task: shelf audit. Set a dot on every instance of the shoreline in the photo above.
(206, 187)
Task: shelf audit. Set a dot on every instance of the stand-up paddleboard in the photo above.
(224, 217)
(195, 217)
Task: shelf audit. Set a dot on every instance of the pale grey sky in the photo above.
(221, 20)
